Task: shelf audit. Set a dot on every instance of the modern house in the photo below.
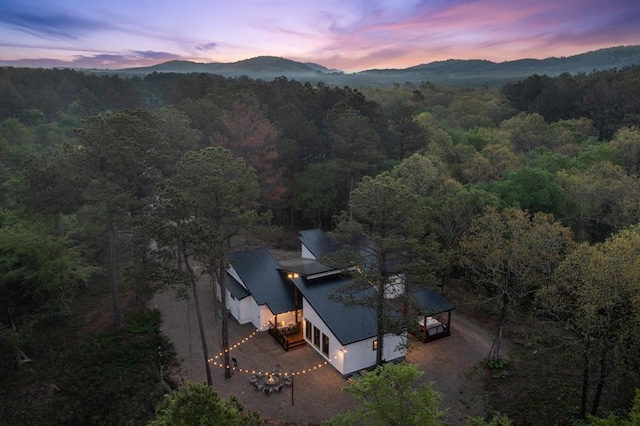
(294, 300)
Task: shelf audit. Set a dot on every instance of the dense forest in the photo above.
(529, 194)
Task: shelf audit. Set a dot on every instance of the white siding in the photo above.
(356, 356)
(241, 309)
(264, 315)
(306, 254)
(395, 288)
(395, 346)
(337, 355)
(235, 275)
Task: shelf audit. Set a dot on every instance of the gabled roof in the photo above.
(430, 302)
(235, 288)
(258, 270)
(349, 323)
(317, 242)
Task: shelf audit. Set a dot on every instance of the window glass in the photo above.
(325, 344)
(308, 327)
(316, 336)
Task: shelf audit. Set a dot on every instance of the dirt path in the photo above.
(452, 364)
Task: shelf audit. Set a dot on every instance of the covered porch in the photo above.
(287, 330)
(432, 313)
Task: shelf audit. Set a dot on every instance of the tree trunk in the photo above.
(113, 273)
(494, 353)
(380, 326)
(585, 382)
(219, 277)
(196, 301)
(604, 373)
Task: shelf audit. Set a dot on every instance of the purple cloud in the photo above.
(206, 47)
(155, 56)
(47, 24)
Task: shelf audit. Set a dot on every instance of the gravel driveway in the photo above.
(452, 364)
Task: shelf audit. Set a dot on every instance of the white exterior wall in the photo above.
(247, 310)
(356, 356)
(336, 351)
(235, 275)
(241, 309)
(359, 355)
(306, 254)
(264, 315)
(395, 288)
(395, 346)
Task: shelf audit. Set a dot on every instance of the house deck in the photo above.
(290, 340)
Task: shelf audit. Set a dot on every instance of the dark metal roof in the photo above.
(349, 323)
(317, 242)
(307, 267)
(258, 270)
(430, 302)
(235, 288)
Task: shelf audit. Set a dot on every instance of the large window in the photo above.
(325, 344)
(308, 327)
(316, 336)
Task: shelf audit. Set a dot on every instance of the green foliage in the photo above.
(496, 420)
(602, 200)
(316, 193)
(101, 378)
(39, 273)
(199, 404)
(326, 140)
(382, 233)
(614, 420)
(390, 395)
(530, 189)
(595, 293)
(508, 255)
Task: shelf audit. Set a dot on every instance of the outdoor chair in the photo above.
(276, 369)
(259, 386)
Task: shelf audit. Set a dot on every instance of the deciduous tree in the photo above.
(389, 395)
(595, 293)
(196, 404)
(510, 254)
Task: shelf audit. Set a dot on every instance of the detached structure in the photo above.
(293, 300)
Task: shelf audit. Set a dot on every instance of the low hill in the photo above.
(454, 72)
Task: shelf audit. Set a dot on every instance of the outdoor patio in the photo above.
(316, 394)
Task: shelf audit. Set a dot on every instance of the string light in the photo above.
(215, 363)
(285, 374)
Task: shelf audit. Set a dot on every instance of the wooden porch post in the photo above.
(424, 328)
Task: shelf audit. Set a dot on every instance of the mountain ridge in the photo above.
(451, 71)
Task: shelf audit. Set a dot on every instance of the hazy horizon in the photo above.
(349, 35)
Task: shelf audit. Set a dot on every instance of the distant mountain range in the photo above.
(452, 72)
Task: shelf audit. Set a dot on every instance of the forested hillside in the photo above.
(88, 163)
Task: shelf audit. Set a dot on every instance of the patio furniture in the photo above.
(269, 383)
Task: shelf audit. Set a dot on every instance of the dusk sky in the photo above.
(350, 35)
